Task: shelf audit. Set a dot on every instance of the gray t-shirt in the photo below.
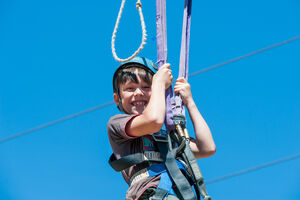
(122, 145)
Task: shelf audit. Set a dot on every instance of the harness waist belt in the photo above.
(134, 159)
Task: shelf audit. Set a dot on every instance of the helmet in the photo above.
(140, 62)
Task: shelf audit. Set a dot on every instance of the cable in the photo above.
(244, 56)
(55, 122)
(110, 103)
(245, 171)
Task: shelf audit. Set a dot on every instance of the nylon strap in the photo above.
(174, 105)
(185, 40)
(126, 161)
(133, 159)
(182, 184)
(184, 52)
(196, 173)
(165, 184)
(162, 54)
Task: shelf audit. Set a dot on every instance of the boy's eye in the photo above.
(146, 87)
(130, 88)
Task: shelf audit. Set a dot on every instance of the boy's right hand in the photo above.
(163, 76)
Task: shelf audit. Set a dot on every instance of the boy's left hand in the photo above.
(183, 88)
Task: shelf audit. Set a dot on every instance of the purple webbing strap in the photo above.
(184, 52)
(161, 32)
(174, 105)
(162, 50)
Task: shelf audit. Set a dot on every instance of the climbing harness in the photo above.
(144, 38)
(174, 160)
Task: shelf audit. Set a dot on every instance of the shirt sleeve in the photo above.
(117, 127)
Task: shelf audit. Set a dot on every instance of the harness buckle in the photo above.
(160, 138)
(179, 120)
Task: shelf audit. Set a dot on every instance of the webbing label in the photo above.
(153, 156)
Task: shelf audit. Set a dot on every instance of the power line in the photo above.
(110, 103)
(252, 169)
(244, 56)
(55, 122)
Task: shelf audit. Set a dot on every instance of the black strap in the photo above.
(126, 161)
(159, 194)
(195, 170)
(182, 184)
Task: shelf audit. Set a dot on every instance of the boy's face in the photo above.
(134, 96)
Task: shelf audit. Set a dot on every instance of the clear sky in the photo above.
(55, 60)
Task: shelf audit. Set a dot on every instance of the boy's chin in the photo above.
(138, 110)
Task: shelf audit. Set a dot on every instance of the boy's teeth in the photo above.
(139, 103)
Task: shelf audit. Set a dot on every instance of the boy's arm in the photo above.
(152, 119)
(203, 145)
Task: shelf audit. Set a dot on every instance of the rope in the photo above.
(144, 38)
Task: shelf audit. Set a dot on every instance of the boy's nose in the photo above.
(138, 91)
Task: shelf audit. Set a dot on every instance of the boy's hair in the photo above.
(130, 72)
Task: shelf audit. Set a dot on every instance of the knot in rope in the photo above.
(138, 4)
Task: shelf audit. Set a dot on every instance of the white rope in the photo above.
(139, 8)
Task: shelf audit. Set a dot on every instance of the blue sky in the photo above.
(55, 60)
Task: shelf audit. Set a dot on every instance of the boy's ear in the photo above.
(116, 99)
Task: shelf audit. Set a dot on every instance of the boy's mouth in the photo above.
(139, 103)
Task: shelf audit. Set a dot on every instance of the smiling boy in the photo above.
(140, 93)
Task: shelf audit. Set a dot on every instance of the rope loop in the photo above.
(144, 33)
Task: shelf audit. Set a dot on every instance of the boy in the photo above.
(140, 93)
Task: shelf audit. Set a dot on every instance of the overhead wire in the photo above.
(252, 169)
(111, 102)
(55, 122)
(244, 56)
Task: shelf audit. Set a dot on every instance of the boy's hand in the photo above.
(163, 76)
(183, 88)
